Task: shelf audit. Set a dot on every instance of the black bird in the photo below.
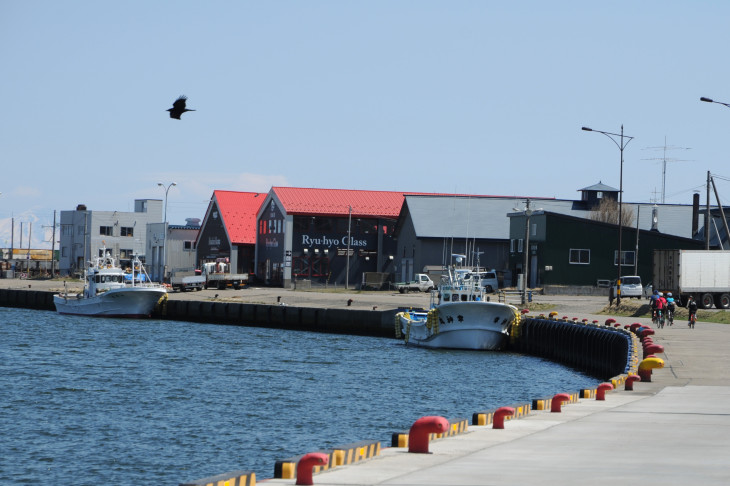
(178, 107)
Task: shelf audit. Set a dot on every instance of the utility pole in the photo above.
(707, 214)
(53, 246)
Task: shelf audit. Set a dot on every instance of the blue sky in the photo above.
(476, 97)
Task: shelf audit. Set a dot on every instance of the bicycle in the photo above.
(692, 320)
(660, 318)
(670, 315)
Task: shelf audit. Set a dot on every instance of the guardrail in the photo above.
(513, 296)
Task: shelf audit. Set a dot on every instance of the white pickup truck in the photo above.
(217, 274)
(422, 283)
(183, 281)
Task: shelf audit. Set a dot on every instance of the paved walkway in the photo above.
(672, 431)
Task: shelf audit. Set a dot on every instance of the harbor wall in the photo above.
(602, 351)
(337, 321)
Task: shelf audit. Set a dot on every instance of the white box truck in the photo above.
(703, 274)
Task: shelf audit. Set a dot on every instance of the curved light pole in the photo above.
(164, 237)
(707, 208)
(710, 100)
(618, 139)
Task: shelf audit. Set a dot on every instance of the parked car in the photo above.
(630, 287)
(489, 281)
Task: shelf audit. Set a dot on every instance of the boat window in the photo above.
(463, 298)
(447, 297)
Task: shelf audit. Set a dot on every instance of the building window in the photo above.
(512, 245)
(127, 231)
(106, 230)
(599, 195)
(64, 252)
(580, 257)
(80, 230)
(67, 230)
(520, 245)
(628, 258)
(126, 254)
(189, 245)
(533, 229)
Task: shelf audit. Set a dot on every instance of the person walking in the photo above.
(692, 308)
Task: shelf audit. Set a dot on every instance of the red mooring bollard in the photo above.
(499, 415)
(652, 349)
(635, 326)
(558, 400)
(646, 332)
(307, 463)
(630, 382)
(420, 430)
(601, 391)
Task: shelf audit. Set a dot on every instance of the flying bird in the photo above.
(178, 107)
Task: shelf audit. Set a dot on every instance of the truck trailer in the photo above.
(703, 274)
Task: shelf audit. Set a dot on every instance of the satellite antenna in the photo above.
(664, 160)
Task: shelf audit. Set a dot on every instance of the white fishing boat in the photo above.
(460, 317)
(109, 291)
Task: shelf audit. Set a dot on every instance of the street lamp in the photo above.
(164, 237)
(347, 265)
(618, 139)
(707, 209)
(710, 100)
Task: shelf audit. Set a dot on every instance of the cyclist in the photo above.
(692, 308)
(652, 303)
(661, 304)
(670, 308)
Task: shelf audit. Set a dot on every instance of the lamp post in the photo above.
(707, 208)
(710, 100)
(164, 237)
(347, 265)
(621, 142)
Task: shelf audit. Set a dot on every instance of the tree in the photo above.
(607, 212)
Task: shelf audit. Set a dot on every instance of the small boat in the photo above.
(460, 317)
(109, 291)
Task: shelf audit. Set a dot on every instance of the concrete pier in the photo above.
(674, 430)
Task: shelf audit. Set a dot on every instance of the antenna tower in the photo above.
(664, 160)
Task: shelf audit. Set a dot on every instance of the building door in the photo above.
(533, 271)
(406, 269)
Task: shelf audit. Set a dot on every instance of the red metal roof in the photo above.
(238, 210)
(335, 202)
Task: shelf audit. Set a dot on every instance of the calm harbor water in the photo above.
(89, 401)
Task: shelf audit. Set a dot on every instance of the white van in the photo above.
(489, 281)
(630, 287)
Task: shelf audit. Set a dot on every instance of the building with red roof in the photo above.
(329, 236)
(228, 230)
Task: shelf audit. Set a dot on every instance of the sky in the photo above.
(472, 97)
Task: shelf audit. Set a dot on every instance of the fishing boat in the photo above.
(460, 317)
(109, 291)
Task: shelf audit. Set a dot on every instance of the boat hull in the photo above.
(125, 302)
(459, 325)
